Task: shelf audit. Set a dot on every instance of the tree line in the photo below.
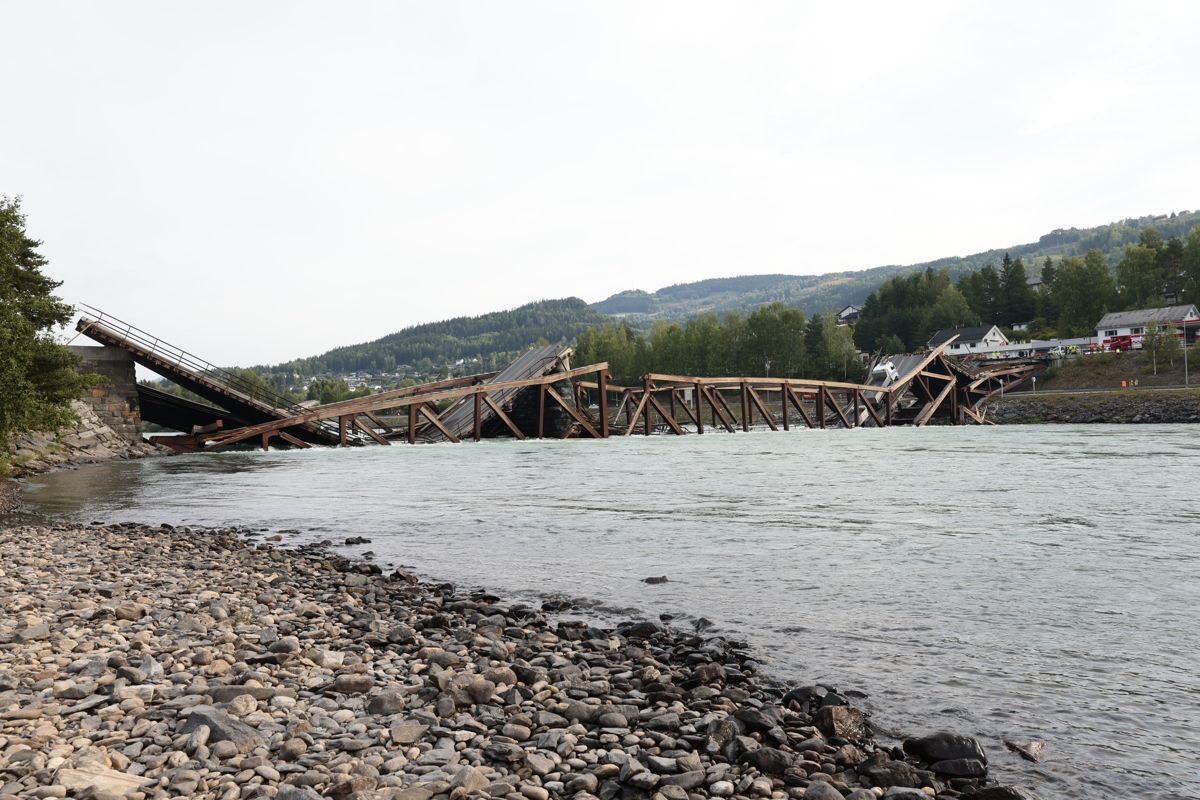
(1073, 294)
(772, 341)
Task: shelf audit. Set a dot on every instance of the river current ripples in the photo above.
(1002, 582)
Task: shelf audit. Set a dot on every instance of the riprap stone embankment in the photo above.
(1136, 406)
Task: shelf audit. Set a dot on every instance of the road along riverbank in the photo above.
(156, 662)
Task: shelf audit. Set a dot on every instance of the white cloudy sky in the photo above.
(316, 174)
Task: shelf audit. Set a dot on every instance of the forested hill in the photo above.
(835, 290)
(492, 338)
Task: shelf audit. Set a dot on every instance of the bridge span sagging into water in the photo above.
(541, 395)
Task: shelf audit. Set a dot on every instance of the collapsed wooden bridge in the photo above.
(541, 394)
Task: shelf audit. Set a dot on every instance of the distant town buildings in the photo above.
(1133, 324)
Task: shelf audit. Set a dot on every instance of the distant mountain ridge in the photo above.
(835, 290)
(491, 339)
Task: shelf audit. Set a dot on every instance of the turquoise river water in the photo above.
(1003, 582)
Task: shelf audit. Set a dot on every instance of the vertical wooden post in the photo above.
(821, 406)
(857, 418)
(602, 388)
(699, 409)
(745, 408)
(646, 396)
(412, 423)
(478, 415)
(672, 402)
(783, 404)
(342, 420)
(541, 419)
(887, 403)
(266, 441)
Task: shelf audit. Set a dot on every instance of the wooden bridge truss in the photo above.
(563, 401)
(933, 389)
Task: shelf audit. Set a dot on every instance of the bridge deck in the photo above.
(244, 400)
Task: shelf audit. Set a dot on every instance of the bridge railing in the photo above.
(181, 358)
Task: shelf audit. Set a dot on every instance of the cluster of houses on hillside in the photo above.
(1115, 331)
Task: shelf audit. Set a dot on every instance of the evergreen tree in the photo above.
(1139, 278)
(38, 379)
(1190, 266)
(1084, 291)
(1018, 303)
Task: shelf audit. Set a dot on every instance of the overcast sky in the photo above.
(261, 181)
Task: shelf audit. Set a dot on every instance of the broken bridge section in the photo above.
(541, 395)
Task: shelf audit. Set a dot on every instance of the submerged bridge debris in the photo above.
(540, 394)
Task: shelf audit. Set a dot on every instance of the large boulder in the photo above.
(944, 746)
(223, 728)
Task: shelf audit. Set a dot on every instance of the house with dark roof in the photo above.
(1134, 323)
(849, 315)
(979, 339)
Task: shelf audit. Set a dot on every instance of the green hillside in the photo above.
(835, 290)
(490, 339)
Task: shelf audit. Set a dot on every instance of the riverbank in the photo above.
(157, 662)
(1133, 406)
(88, 441)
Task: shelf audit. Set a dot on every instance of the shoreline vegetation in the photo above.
(140, 662)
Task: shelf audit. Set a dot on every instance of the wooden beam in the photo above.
(791, 395)
(646, 396)
(635, 415)
(477, 428)
(369, 431)
(733, 382)
(821, 407)
(931, 407)
(602, 386)
(412, 424)
(762, 409)
(783, 405)
(667, 417)
(745, 406)
(587, 426)
(342, 423)
(541, 412)
(437, 423)
(699, 400)
(728, 418)
(717, 402)
(837, 407)
(687, 410)
(871, 410)
(371, 416)
(292, 440)
(499, 412)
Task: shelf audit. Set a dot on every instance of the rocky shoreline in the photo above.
(147, 662)
(1133, 407)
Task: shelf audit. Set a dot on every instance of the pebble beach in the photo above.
(154, 662)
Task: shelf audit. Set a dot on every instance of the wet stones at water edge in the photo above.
(145, 662)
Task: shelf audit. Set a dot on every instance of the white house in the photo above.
(980, 339)
(849, 315)
(1134, 323)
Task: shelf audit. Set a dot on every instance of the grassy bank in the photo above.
(1107, 370)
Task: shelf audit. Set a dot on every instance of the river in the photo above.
(1004, 582)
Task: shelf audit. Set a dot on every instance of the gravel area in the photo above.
(147, 662)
